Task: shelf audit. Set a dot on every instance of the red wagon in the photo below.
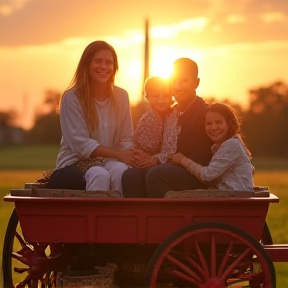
(188, 239)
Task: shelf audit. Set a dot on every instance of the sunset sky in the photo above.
(238, 44)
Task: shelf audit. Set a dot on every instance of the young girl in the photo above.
(153, 138)
(230, 168)
(96, 125)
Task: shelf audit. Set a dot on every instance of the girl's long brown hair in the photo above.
(80, 82)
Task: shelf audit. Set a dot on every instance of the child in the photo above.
(153, 138)
(230, 168)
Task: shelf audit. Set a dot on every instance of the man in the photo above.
(192, 140)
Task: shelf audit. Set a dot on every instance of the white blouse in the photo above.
(115, 130)
(229, 169)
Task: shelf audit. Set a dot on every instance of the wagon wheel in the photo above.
(210, 255)
(17, 268)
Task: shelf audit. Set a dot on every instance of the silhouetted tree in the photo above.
(46, 129)
(10, 133)
(265, 129)
(8, 119)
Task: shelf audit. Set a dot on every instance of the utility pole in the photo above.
(146, 54)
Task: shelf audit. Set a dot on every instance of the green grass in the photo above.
(30, 157)
(270, 164)
(277, 215)
(19, 165)
(43, 157)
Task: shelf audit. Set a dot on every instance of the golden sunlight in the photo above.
(164, 56)
(161, 67)
(161, 63)
(133, 69)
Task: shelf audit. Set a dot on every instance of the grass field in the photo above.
(28, 157)
(21, 169)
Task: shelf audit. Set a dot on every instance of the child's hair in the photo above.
(155, 81)
(232, 118)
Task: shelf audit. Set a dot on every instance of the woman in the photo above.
(96, 125)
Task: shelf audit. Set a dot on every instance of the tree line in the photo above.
(264, 126)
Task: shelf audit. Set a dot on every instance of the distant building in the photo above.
(11, 135)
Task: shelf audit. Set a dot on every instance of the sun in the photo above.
(164, 56)
(162, 60)
(161, 67)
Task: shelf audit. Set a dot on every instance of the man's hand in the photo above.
(176, 158)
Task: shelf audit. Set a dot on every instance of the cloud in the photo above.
(273, 17)
(8, 7)
(135, 37)
(249, 47)
(217, 28)
(235, 18)
(132, 37)
(170, 31)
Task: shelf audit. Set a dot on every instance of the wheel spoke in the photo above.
(225, 259)
(202, 260)
(196, 266)
(184, 277)
(234, 264)
(21, 270)
(184, 268)
(20, 239)
(25, 282)
(213, 256)
(20, 258)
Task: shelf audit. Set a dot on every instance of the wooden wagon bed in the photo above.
(70, 216)
(213, 230)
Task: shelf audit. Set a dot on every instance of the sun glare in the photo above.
(163, 58)
(133, 69)
(161, 63)
(161, 67)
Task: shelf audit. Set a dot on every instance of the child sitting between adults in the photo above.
(155, 137)
(230, 167)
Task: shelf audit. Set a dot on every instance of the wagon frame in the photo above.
(197, 238)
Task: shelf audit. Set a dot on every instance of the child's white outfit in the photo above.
(229, 169)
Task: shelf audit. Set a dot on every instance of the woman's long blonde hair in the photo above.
(80, 82)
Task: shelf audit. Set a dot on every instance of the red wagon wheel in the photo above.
(30, 265)
(210, 255)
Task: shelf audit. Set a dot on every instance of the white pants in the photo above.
(105, 177)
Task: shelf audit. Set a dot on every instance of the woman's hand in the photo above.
(126, 156)
(176, 158)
